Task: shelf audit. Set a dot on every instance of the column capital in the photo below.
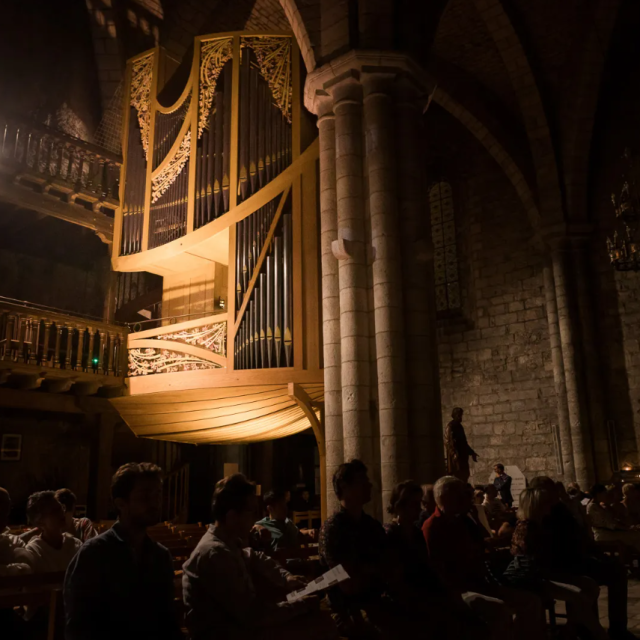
(366, 68)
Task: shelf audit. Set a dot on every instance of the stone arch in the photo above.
(578, 111)
(495, 149)
(301, 32)
(531, 105)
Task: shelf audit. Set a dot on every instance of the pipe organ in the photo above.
(232, 111)
(265, 336)
(223, 177)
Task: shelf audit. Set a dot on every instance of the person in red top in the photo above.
(455, 544)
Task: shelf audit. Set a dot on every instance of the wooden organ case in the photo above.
(221, 179)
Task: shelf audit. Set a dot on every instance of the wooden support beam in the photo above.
(297, 393)
(49, 205)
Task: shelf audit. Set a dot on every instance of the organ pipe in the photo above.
(265, 334)
(264, 132)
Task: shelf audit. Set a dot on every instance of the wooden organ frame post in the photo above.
(295, 184)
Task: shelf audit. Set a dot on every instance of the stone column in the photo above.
(330, 302)
(423, 376)
(387, 281)
(568, 325)
(564, 422)
(588, 341)
(349, 248)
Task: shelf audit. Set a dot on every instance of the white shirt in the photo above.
(12, 555)
(43, 558)
(9, 541)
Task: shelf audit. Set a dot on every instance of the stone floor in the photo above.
(633, 607)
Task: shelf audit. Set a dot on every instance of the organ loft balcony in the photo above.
(219, 197)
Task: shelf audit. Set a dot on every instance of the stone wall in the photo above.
(49, 442)
(495, 358)
(50, 262)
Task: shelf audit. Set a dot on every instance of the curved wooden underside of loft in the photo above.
(222, 415)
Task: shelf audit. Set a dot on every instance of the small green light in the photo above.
(95, 361)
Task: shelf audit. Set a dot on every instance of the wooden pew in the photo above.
(41, 589)
(306, 518)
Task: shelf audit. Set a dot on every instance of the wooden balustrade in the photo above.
(51, 339)
(60, 164)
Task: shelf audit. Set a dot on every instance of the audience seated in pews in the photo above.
(232, 592)
(284, 533)
(575, 492)
(607, 524)
(478, 513)
(456, 551)
(53, 549)
(576, 508)
(304, 501)
(413, 585)
(570, 551)
(493, 506)
(615, 497)
(528, 571)
(355, 540)
(81, 528)
(13, 557)
(121, 583)
(502, 483)
(428, 504)
(631, 502)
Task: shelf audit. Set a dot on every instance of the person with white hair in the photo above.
(456, 551)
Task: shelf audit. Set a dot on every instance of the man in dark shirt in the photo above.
(357, 541)
(502, 482)
(120, 584)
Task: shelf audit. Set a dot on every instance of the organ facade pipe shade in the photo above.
(230, 190)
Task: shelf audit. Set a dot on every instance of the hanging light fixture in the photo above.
(624, 248)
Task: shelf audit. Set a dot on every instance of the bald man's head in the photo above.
(5, 508)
